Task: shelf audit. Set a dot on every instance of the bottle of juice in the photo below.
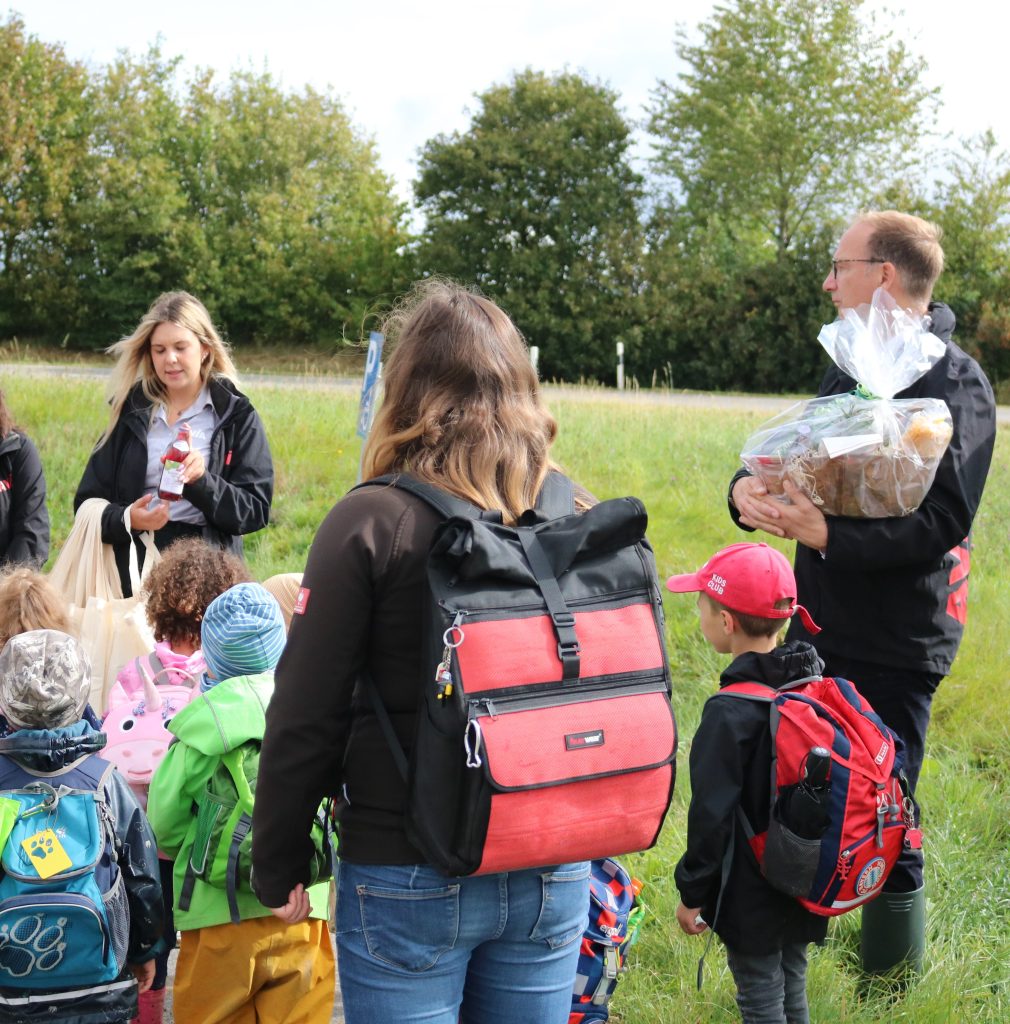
(170, 488)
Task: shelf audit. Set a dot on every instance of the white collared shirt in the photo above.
(203, 420)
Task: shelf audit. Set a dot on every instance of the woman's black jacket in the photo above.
(234, 494)
(24, 519)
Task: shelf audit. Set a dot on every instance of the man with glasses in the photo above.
(891, 594)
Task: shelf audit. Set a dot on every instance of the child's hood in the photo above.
(795, 659)
(50, 750)
(227, 715)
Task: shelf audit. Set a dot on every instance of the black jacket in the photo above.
(894, 592)
(234, 494)
(24, 519)
(108, 1002)
(731, 766)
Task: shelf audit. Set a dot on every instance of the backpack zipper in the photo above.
(494, 707)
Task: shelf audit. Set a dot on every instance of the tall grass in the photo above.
(679, 462)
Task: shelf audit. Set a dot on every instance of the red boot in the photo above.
(151, 1005)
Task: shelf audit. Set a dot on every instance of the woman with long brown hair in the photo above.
(173, 369)
(24, 519)
(462, 411)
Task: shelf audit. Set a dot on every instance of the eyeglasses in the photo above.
(835, 263)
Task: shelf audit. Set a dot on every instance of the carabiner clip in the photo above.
(471, 744)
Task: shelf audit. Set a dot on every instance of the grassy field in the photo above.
(678, 461)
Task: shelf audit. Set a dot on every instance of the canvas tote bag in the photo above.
(112, 629)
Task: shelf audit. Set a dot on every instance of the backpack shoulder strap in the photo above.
(448, 506)
(94, 770)
(232, 761)
(749, 691)
(557, 496)
(12, 775)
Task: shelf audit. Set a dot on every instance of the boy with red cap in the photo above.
(746, 594)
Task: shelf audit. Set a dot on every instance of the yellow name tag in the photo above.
(46, 852)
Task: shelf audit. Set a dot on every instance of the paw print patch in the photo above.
(31, 944)
(46, 853)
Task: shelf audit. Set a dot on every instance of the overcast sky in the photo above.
(408, 71)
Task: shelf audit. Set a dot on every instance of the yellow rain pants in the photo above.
(260, 971)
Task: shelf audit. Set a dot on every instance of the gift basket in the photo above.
(864, 454)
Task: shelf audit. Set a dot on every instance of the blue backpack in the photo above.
(64, 917)
(615, 916)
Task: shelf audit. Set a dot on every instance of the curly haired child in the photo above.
(190, 575)
(178, 589)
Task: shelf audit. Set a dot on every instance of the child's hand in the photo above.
(297, 907)
(689, 919)
(144, 973)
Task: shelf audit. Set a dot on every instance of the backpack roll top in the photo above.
(545, 733)
(64, 917)
(868, 813)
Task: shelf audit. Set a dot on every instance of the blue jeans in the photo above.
(414, 945)
(772, 988)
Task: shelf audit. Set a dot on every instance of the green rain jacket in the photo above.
(210, 725)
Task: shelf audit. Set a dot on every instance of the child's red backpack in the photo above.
(869, 815)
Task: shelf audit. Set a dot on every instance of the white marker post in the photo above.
(369, 390)
(620, 366)
(535, 359)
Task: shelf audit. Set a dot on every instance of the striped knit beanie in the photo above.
(242, 632)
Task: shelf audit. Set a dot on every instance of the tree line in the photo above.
(785, 118)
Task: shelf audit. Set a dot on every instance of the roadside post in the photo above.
(369, 390)
(620, 366)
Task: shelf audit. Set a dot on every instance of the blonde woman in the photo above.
(462, 411)
(175, 368)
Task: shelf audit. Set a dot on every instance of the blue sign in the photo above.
(369, 386)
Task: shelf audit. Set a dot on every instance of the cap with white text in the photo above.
(747, 578)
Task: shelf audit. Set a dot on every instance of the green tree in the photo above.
(717, 319)
(536, 203)
(973, 207)
(788, 114)
(45, 169)
(300, 229)
(135, 237)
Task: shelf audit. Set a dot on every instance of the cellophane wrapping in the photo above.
(864, 454)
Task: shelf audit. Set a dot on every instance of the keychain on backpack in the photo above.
(451, 638)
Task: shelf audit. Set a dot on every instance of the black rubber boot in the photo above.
(894, 932)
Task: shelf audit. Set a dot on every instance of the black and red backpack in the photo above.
(544, 731)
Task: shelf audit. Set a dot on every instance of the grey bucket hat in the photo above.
(45, 678)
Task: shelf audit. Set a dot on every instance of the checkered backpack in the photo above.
(615, 915)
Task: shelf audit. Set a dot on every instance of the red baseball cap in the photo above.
(747, 578)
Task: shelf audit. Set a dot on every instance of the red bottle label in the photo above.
(170, 488)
